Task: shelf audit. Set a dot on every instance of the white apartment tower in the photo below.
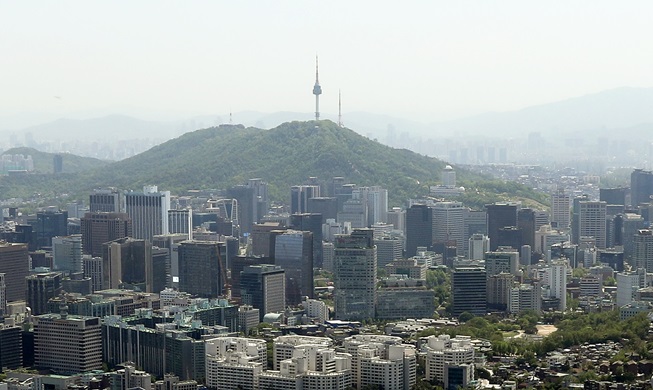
(443, 350)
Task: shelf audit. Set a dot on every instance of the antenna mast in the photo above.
(339, 110)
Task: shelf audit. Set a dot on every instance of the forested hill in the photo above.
(287, 155)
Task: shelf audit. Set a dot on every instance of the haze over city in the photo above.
(418, 60)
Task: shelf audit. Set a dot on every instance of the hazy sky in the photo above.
(429, 60)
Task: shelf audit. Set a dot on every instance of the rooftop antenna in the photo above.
(317, 91)
(339, 110)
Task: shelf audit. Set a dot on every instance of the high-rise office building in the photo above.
(309, 222)
(627, 285)
(377, 205)
(560, 206)
(202, 269)
(592, 222)
(556, 278)
(14, 263)
(499, 215)
(299, 196)
(478, 245)
(148, 211)
(527, 225)
(642, 256)
(469, 290)
(294, 253)
(106, 201)
(419, 228)
(247, 206)
(50, 223)
(67, 344)
(67, 253)
(448, 224)
(397, 218)
(641, 187)
(327, 207)
(613, 196)
(264, 288)
(261, 199)
(11, 346)
(263, 238)
(388, 249)
(355, 275)
(127, 263)
(181, 222)
(443, 350)
(94, 269)
(40, 288)
(3, 295)
(171, 243)
(497, 262)
(100, 227)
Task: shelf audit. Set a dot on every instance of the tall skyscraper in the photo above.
(100, 227)
(181, 221)
(327, 207)
(40, 289)
(478, 245)
(499, 215)
(247, 206)
(527, 226)
(469, 290)
(294, 253)
(419, 228)
(557, 281)
(50, 223)
(448, 224)
(641, 187)
(67, 344)
(14, 263)
(202, 269)
(106, 201)
(613, 196)
(560, 206)
(260, 197)
(310, 222)
(67, 253)
(355, 275)
(148, 211)
(591, 221)
(299, 196)
(377, 205)
(127, 263)
(502, 262)
(643, 250)
(263, 287)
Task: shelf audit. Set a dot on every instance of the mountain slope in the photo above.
(615, 108)
(43, 161)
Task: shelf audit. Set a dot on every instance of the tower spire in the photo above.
(317, 91)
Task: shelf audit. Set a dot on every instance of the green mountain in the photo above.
(287, 155)
(43, 161)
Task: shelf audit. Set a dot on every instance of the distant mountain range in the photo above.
(596, 115)
(219, 157)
